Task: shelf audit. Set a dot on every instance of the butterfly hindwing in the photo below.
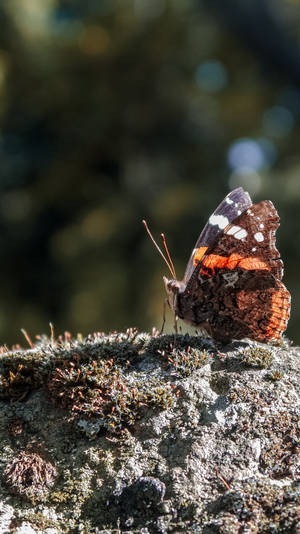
(238, 304)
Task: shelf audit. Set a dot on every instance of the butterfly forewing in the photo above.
(248, 242)
(233, 204)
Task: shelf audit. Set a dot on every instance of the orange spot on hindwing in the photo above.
(280, 310)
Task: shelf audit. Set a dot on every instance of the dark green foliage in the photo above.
(112, 112)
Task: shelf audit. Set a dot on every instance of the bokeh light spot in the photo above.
(246, 153)
(31, 17)
(211, 76)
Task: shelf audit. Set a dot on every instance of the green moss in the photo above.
(258, 357)
(255, 506)
(279, 455)
(181, 355)
(185, 362)
(275, 375)
(75, 489)
(101, 389)
(19, 376)
(164, 345)
(100, 376)
(220, 382)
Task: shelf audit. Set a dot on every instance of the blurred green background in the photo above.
(112, 111)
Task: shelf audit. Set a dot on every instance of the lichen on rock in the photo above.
(138, 433)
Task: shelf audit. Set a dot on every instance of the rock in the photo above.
(145, 434)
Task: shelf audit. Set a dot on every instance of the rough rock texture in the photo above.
(132, 433)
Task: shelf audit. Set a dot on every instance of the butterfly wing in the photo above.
(235, 289)
(237, 304)
(232, 206)
(248, 242)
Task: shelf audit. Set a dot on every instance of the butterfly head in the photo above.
(173, 288)
(172, 285)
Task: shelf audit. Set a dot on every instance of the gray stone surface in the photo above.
(139, 434)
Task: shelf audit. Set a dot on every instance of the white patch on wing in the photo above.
(259, 237)
(218, 220)
(261, 225)
(241, 234)
(249, 212)
(237, 232)
(231, 278)
(239, 212)
(253, 249)
(233, 229)
(228, 200)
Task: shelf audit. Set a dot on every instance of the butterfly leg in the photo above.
(164, 317)
(176, 323)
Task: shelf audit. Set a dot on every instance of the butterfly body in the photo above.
(232, 285)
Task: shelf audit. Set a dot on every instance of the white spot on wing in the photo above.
(233, 229)
(241, 234)
(259, 237)
(253, 249)
(261, 225)
(218, 220)
(237, 232)
(239, 212)
(229, 201)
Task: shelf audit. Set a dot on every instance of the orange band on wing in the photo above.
(254, 263)
(213, 260)
(199, 253)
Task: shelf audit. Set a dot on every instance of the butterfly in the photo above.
(232, 284)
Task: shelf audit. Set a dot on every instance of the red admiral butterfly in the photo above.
(232, 284)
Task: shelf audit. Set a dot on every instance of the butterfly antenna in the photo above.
(168, 255)
(170, 265)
